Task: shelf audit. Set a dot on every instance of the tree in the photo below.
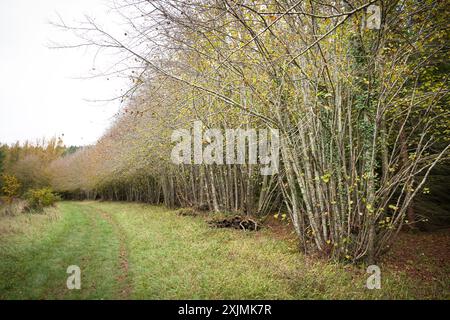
(357, 127)
(2, 159)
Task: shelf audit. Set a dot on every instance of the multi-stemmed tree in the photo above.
(356, 90)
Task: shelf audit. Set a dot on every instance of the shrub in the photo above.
(40, 198)
(10, 187)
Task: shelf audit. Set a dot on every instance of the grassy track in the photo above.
(147, 252)
(34, 265)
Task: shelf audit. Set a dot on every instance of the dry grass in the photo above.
(176, 257)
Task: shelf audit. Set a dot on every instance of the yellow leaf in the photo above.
(391, 206)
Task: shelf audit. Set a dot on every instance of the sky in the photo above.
(45, 92)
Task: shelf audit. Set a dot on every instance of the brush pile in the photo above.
(237, 222)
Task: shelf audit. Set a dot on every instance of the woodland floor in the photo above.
(138, 251)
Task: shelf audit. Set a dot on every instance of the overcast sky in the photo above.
(40, 95)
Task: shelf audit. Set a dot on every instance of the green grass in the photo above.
(145, 252)
(33, 265)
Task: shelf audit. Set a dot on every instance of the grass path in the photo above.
(123, 277)
(145, 252)
(33, 265)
